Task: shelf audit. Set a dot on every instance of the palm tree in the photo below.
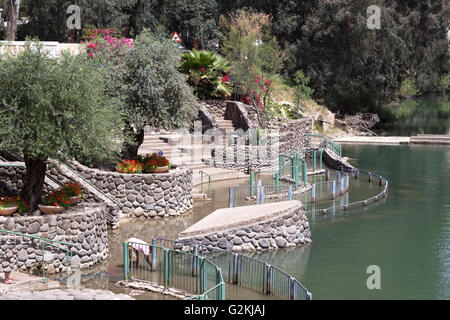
(207, 73)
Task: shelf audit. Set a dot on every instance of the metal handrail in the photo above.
(42, 243)
(335, 148)
(197, 263)
(267, 285)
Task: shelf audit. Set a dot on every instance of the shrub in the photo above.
(71, 189)
(207, 73)
(153, 162)
(129, 166)
(14, 201)
(57, 198)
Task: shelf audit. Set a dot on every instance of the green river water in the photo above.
(407, 236)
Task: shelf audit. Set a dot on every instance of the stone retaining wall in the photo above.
(293, 134)
(243, 158)
(145, 195)
(282, 226)
(83, 225)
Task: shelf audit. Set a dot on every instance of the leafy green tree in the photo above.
(254, 55)
(48, 18)
(207, 73)
(54, 108)
(302, 90)
(156, 92)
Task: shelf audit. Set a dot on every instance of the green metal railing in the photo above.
(185, 271)
(326, 143)
(43, 242)
(247, 272)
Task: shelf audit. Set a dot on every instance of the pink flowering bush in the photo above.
(110, 40)
(259, 95)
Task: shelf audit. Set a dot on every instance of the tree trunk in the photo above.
(33, 181)
(130, 150)
(14, 8)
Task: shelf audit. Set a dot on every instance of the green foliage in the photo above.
(48, 18)
(444, 81)
(302, 90)
(286, 110)
(207, 74)
(55, 108)
(156, 92)
(250, 46)
(408, 88)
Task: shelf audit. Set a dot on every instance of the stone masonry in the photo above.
(83, 225)
(251, 228)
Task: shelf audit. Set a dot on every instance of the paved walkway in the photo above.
(25, 282)
(67, 294)
(217, 174)
(372, 140)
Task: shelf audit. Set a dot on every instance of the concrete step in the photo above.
(432, 136)
(429, 141)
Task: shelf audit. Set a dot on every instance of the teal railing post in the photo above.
(202, 275)
(305, 173)
(195, 260)
(320, 159)
(268, 278)
(166, 268)
(280, 164)
(235, 268)
(126, 263)
(292, 289)
(230, 197)
(44, 279)
(290, 193)
(154, 244)
(222, 289)
(314, 161)
(293, 167)
(219, 280)
(252, 177)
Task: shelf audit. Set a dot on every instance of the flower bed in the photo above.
(62, 198)
(7, 203)
(147, 164)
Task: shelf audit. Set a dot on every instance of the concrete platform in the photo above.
(26, 283)
(239, 217)
(372, 140)
(217, 174)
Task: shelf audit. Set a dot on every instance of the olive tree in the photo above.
(156, 92)
(54, 108)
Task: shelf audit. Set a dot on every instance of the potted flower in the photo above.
(129, 166)
(55, 202)
(156, 164)
(73, 191)
(9, 205)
